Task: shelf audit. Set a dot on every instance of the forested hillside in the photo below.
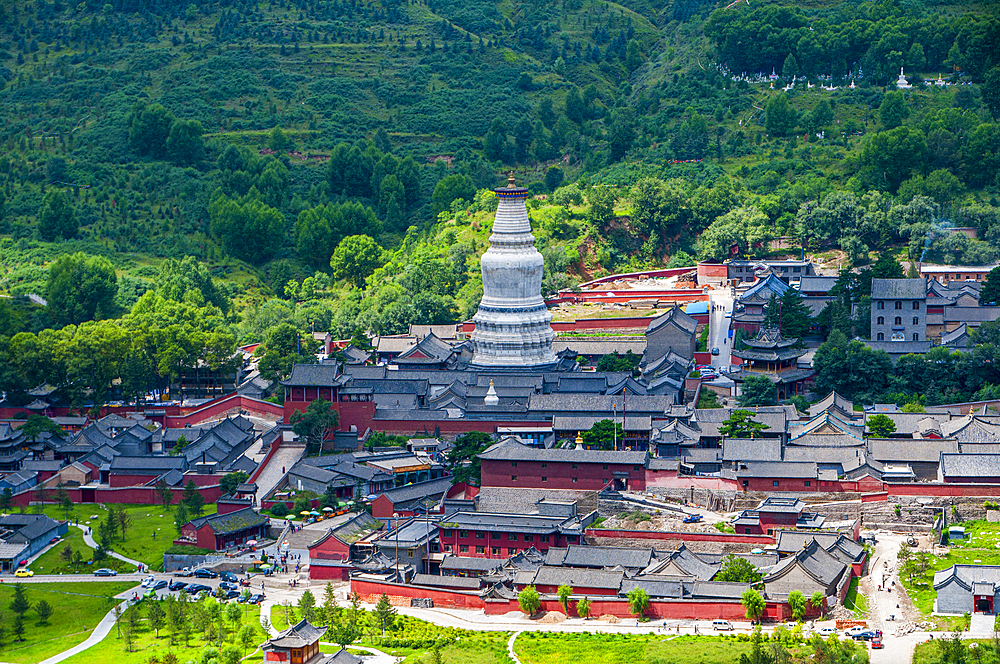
(323, 163)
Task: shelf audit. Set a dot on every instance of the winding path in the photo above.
(88, 539)
(510, 648)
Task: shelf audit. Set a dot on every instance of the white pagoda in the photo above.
(513, 325)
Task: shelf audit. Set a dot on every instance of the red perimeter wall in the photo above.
(142, 495)
(370, 591)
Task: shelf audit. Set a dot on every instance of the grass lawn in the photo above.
(856, 601)
(146, 644)
(545, 648)
(982, 546)
(76, 610)
(929, 652)
(139, 542)
(52, 562)
(413, 639)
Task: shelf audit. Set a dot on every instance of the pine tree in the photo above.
(20, 603)
(384, 613)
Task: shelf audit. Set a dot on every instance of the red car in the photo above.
(877, 643)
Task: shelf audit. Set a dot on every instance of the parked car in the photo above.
(256, 598)
(827, 631)
(866, 635)
(23, 572)
(225, 585)
(104, 571)
(149, 594)
(231, 594)
(184, 572)
(177, 585)
(877, 643)
(195, 588)
(205, 574)
(715, 351)
(228, 576)
(147, 582)
(53, 540)
(854, 631)
(693, 518)
(159, 585)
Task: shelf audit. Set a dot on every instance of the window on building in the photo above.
(774, 483)
(480, 549)
(513, 464)
(511, 551)
(881, 305)
(446, 532)
(808, 483)
(447, 547)
(463, 548)
(572, 539)
(512, 537)
(480, 534)
(898, 320)
(463, 534)
(544, 539)
(574, 466)
(544, 478)
(899, 305)
(529, 538)
(636, 467)
(410, 553)
(916, 337)
(574, 480)
(545, 465)
(513, 477)
(881, 337)
(916, 306)
(916, 321)
(495, 551)
(881, 320)
(796, 270)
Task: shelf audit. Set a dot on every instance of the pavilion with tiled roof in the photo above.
(774, 356)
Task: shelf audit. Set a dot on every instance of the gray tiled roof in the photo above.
(815, 561)
(751, 449)
(429, 489)
(146, 464)
(297, 636)
(541, 525)
(222, 524)
(899, 289)
(315, 375)
(977, 466)
(453, 582)
(578, 577)
(467, 564)
(676, 317)
(600, 557)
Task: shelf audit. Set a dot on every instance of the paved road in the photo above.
(718, 326)
(286, 457)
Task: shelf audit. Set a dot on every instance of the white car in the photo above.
(856, 630)
(147, 582)
(827, 631)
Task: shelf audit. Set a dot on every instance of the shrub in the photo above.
(279, 510)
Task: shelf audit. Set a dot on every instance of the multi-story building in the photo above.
(899, 311)
(945, 273)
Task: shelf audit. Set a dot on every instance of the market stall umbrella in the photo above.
(327, 509)
(314, 513)
(305, 513)
(266, 566)
(251, 542)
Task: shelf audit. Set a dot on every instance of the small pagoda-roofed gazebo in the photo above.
(776, 357)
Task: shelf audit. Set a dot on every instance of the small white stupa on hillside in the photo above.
(901, 82)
